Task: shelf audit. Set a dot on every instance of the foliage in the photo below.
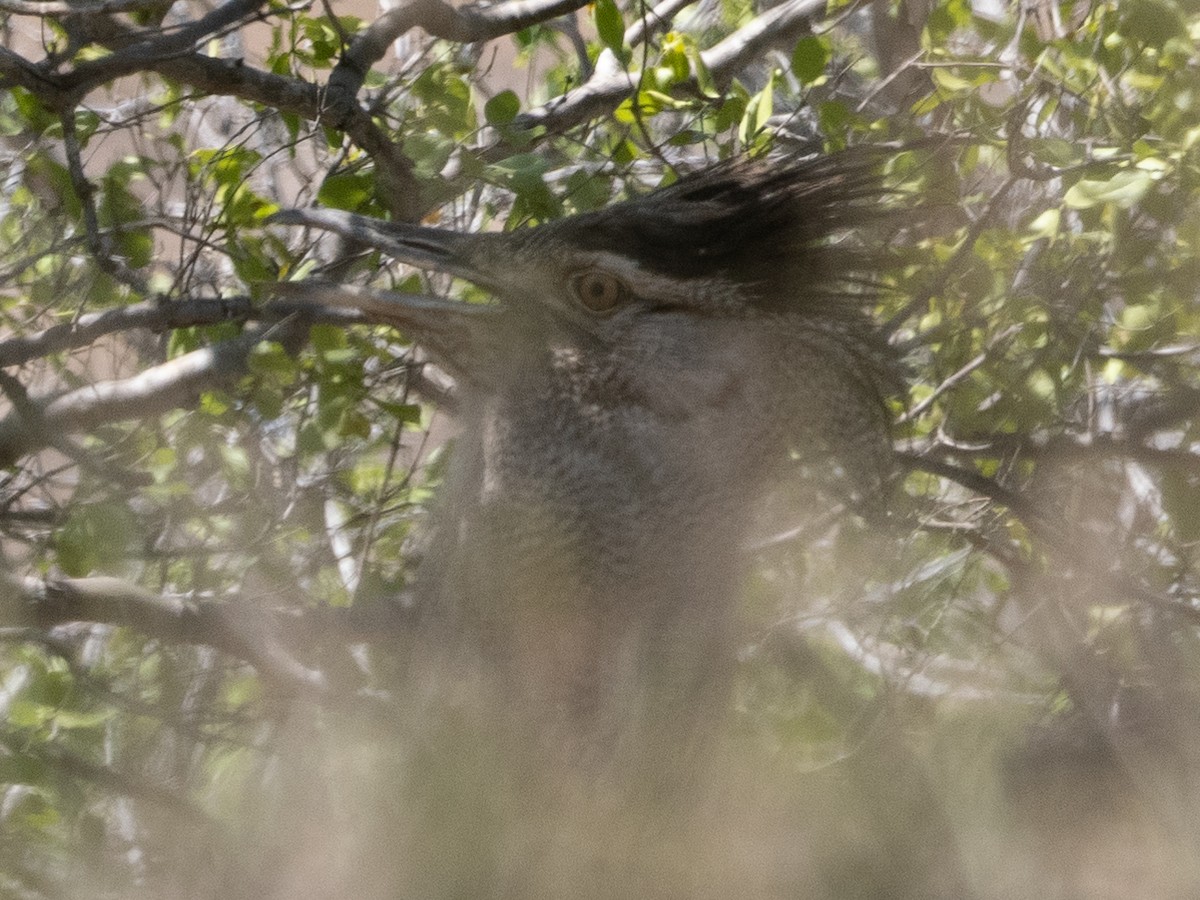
(212, 496)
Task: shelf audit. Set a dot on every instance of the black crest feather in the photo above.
(748, 220)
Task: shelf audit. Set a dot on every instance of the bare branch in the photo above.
(398, 186)
(781, 26)
(1061, 537)
(952, 265)
(151, 392)
(49, 437)
(603, 93)
(1152, 354)
(973, 481)
(1078, 446)
(31, 602)
(160, 316)
(467, 24)
(98, 243)
(17, 71)
(173, 58)
(75, 766)
(960, 375)
(652, 21)
(49, 8)
(156, 45)
(232, 625)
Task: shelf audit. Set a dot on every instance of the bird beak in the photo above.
(453, 331)
(438, 249)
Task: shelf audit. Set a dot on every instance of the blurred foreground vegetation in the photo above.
(211, 505)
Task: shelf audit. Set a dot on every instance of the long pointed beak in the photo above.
(457, 334)
(426, 248)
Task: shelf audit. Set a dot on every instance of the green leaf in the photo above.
(31, 114)
(268, 401)
(95, 537)
(609, 24)
(704, 79)
(350, 192)
(236, 460)
(65, 718)
(732, 110)
(1179, 491)
(354, 424)
(809, 59)
(429, 151)
(674, 65)
(408, 413)
(1151, 22)
(327, 337)
(588, 191)
(758, 112)
(952, 82)
(502, 108)
(24, 714)
(523, 173)
(1124, 190)
(43, 172)
(269, 359)
(1046, 224)
(161, 464)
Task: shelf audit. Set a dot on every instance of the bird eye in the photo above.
(598, 291)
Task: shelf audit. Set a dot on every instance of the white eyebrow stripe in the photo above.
(641, 281)
(613, 262)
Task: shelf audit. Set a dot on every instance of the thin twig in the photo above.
(958, 376)
(938, 285)
(603, 93)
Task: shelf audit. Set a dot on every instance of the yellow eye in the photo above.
(598, 291)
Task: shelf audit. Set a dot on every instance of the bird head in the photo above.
(734, 294)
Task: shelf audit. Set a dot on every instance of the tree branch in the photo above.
(603, 93)
(100, 600)
(151, 392)
(952, 265)
(397, 184)
(1060, 536)
(783, 25)
(17, 71)
(1072, 446)
(173, 58)
(466, 24)
(233, 625)
(155, 46)
(973, 481)
(162, 316)
(98, 243)
(49, 437)
(75, 766)
(963, 373)
(652, 21)
(50, 8)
